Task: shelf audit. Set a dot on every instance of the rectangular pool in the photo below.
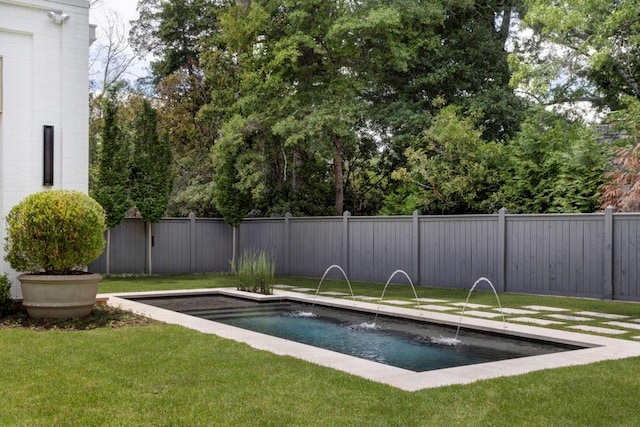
(404, 343)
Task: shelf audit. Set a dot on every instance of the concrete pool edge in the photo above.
(599, 348)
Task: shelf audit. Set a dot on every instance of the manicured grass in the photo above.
(165, 375)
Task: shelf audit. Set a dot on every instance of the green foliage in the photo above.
(151, 178)
(255, 272)
(55, 231)
(579, 50)
(555, 165)
(6, 302)
(454, 170)
(110, 188)
(190, 134)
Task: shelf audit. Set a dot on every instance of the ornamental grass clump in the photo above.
(54, 232)
(255, 272)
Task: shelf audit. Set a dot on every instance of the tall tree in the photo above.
(150, 171)
(110, 188)
(555, 165)
(172, 31)
(454, 171)
(579, 50)
(151, 165)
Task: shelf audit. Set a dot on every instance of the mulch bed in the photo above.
(102, 316)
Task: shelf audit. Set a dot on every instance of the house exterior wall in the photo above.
(44, 51)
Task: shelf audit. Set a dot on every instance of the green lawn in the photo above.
(164, 375)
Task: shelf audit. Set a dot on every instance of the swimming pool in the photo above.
(396, 341)
(593, 348)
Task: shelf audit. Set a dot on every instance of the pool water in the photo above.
(398, 342)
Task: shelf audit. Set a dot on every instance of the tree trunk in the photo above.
(338, 174)
(108, 254)
(149, 247)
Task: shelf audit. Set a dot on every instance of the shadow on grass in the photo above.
(102, 316)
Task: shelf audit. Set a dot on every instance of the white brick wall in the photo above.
(45, 82)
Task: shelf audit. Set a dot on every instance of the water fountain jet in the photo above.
(504, 322)
(385, 289)
(353, 298)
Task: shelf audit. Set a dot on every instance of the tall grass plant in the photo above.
(255, 272)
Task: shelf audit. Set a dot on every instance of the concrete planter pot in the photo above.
(59, 296)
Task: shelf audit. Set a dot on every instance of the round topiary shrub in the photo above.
(54, 232)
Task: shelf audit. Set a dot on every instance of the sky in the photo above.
(126, 9)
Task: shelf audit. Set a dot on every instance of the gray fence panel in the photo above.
(128, 249)
(213, 246)
(588, 255)
(380, 246)
(457, 250)
(264, 234)
(626, 261)
(555, 254)
(171, 253)
(314, 245)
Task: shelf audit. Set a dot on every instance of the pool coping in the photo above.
(599, 348)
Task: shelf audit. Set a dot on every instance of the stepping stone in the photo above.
(596, 329)
(302, 289)
(432, 300)
(603, 315)
(544, 308)
(283, 286)
(571, 318)
(434, 307)
(485, 314)
(366, 298)
(624, 325)
(543, 322)
(333, 293)
(516, 311)
(398, 302)
(470, 305)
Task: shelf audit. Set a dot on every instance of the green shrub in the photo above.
(5, 295)
(255, 272)
(54, 231)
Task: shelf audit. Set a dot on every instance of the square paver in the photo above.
(470, 305)
(603, 315)
(488, 315)
(507, 310)
(624, 325)
(570, 318)
(399, 302)
(534, 320)
(435, 307)
(302, 289)
(432, 300)
(333, 293)
(544, 308)
(283, 286)
(598, 330)
(367, 298)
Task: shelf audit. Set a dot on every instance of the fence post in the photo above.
(192, 242)
(607, 284)
(415, 250)
(287, 244)
(345, 240)
(502, 249)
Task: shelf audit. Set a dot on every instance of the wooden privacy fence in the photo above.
(585, 255)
